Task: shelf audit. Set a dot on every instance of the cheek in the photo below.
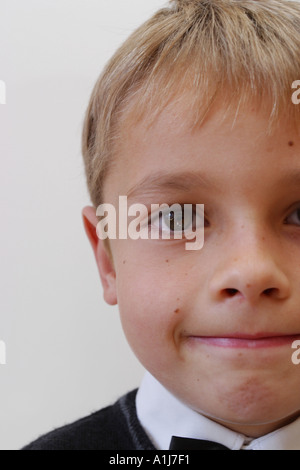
(151, 315)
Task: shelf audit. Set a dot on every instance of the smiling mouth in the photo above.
(247, 341)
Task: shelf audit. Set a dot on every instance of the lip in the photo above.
(260, 340)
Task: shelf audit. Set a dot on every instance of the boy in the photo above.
(196, 108)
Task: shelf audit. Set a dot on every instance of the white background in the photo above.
(66, 354)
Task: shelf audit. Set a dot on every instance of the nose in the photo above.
(250, 269)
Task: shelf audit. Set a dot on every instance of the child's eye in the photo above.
(177, 221)
(294, 218)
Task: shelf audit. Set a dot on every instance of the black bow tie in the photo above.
(185, 443)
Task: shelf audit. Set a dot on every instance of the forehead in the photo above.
(231, 141)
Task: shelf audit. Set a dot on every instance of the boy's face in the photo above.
(214, 326)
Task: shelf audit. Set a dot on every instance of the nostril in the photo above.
(231, 292)
(270, 290)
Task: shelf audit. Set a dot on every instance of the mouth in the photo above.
(239, 340)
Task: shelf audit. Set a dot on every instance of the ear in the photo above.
(102, 255)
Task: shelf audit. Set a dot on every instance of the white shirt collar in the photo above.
(162, 416)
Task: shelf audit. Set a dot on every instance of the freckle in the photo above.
(290, 143)
(248, 285)
(124, 261)
(178, 298)
(177, 310)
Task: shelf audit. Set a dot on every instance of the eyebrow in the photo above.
(176, 181)
(187, 181)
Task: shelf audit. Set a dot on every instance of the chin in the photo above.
(252, 407)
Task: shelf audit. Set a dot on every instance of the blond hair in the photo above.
(251, 48)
